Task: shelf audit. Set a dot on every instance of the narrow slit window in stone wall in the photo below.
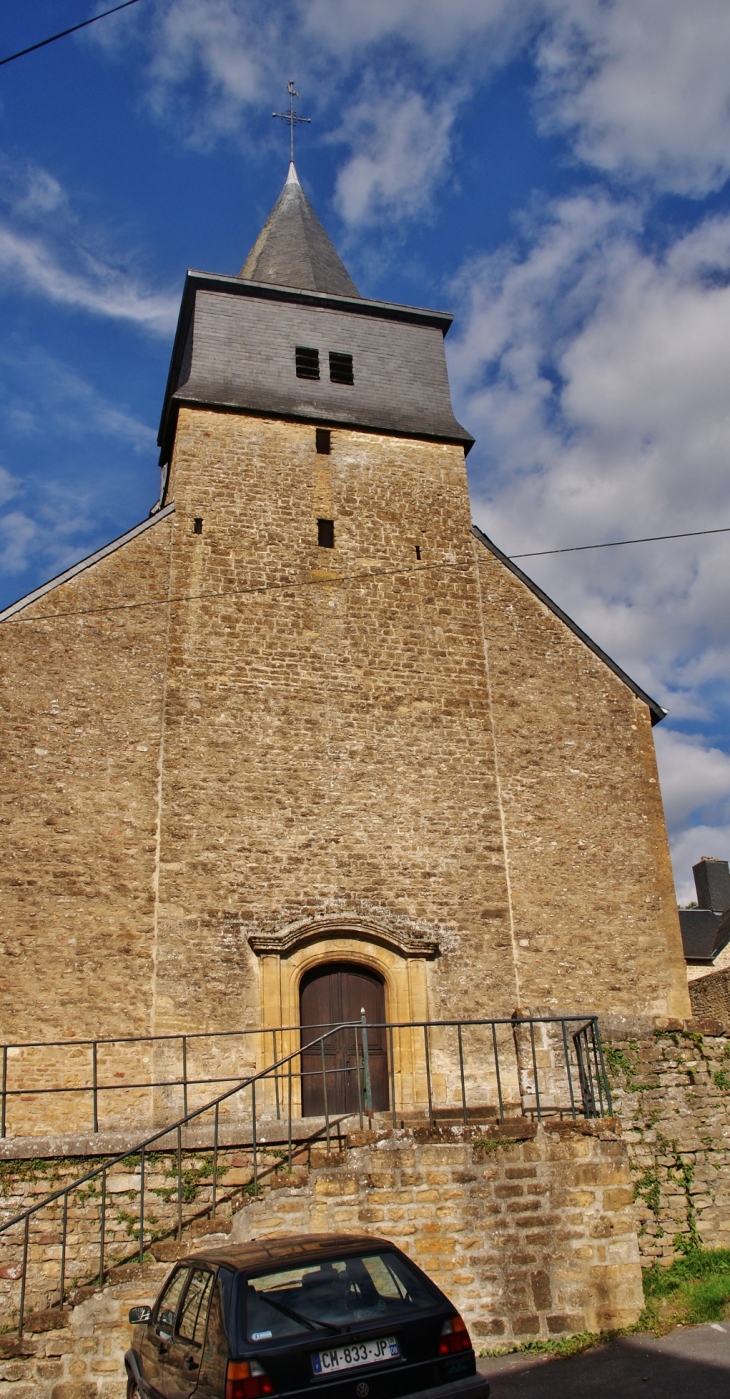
(326, 534)
(307, 362)
(341, 368)
(323, 441)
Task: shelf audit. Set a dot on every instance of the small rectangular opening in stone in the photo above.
(197, 525)
(324, 441)
(326, 534)
(418, 551)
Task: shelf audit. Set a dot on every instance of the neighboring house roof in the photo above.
(657, 712)
(85, 563)
(293, 250)
(704, 934)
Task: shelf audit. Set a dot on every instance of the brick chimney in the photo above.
(712, 882)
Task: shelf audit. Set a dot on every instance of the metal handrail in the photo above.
(185, 1081)
(94, 1088)
(140, 1148)
(592, 1084)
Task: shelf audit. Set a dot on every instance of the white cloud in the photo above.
(49, 528)
(397, 70)
(43, 253)
(40, 394)
(688, 847)
(225, 43)
(438, 32)
(31, 262)
(594, 376)
(639, 87)
(695, 781)
(38, 193)
(401, 150)
(17, 534)
(642, 86)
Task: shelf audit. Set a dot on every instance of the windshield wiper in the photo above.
(297, 1316)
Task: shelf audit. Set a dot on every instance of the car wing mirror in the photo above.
(139, 1315)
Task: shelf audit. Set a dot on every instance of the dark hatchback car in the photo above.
(314, 1314)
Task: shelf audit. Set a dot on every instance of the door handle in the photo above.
(191, 1363)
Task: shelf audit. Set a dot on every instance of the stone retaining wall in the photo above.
(671, 1091)
(529, 1238)
(25, 1183)
(710, 996)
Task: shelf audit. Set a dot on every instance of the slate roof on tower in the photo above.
(293, 250)
(238, 341)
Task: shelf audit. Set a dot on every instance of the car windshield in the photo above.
(320, 1298)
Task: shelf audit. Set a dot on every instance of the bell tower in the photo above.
(329, 790)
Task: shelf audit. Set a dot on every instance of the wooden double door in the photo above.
(330, 995)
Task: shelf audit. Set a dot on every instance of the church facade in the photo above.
(305, 739)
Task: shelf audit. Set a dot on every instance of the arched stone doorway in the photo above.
(331, 994)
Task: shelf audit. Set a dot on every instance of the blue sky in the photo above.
(554, 171)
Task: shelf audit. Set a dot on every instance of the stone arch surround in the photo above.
(399, 960)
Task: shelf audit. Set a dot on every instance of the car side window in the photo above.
(168, 1303)
(194, 1310)
(214, 1360)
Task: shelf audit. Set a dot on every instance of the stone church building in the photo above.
(305, 740)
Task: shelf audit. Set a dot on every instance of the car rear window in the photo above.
(316, 1297)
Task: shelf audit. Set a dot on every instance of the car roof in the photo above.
(291, 1248)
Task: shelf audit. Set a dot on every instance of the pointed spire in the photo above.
(293, 250)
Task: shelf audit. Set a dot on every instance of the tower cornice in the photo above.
(199, 377)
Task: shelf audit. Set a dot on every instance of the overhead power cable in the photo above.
(63, 32)
(262, 589)
(616, 543)
(293, 584)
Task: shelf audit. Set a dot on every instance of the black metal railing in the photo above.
(455, 1070)
(103, 1094)
(19, 1055)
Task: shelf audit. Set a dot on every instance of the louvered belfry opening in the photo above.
(331, 994)
(307, 362)
(341, 371)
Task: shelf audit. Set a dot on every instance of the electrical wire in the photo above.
(293, 584)
(615, 543)
(63, 32)
(262, 589)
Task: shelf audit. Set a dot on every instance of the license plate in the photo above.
(324, 1362)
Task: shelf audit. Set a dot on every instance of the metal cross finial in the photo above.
(291, 116)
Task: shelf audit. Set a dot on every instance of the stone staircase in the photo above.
(529, 1231)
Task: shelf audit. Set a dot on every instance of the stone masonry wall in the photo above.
(710, 996)
(81, 682)
(79, 1355)
(328, 740)
(528, 1238)
(26, 1183)
(307, 733)
(592, 894)
(671, 1091)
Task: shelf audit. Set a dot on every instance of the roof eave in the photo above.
(214, 281)
(656, 710)
(183, 400)
(153, 518)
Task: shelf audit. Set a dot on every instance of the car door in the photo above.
(158, 1335)
(182, 1363)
